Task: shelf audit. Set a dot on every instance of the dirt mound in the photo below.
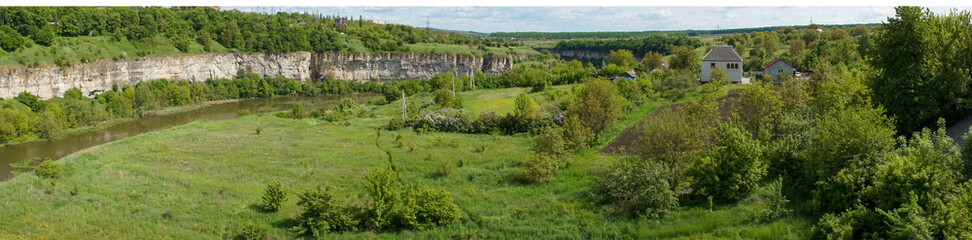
(627, 141)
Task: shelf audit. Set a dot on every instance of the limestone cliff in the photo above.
(101, 75)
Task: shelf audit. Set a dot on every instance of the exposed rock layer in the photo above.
(101, 75)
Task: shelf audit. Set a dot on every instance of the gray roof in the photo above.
(722, 53)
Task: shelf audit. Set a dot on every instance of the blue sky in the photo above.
(567, 19)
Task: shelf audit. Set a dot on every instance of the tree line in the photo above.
(639, 46)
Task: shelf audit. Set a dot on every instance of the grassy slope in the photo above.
(93, 48)
(208, 175)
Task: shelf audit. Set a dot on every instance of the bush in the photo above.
(422, 207)
(320, 213)
(383, 187)
(298, 112)
(526, 109)
(550, 141)
(252, 232)
(539, 168)
(445, 99)
(732, 170)
(576, 135)
(635, 187)
(769, 203)
(273, 196)
(243, 112)
(598, 104)
(444, 166)
(49, 169)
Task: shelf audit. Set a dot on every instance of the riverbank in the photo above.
(114, 121)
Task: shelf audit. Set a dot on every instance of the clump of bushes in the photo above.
(49, 169)
(320, 213)
(635, 187)
(733, 169)
(539, 168)
(273, 196)
(446, 99)
(392, 205)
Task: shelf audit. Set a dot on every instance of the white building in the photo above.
(722, 56)
(777, 67)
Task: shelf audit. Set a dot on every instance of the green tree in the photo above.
(685, 58)
(10, 39)
(621, 57)
(526, 109)
(733, 170)
(44, 36)
(921, 67)
(598, 104)
(652, 60)
(320, 214)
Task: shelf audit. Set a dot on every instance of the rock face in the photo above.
(390, 67)
(101, 75)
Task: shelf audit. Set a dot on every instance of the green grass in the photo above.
(208, 175)
(76, 49)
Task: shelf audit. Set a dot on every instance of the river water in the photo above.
(56, 149)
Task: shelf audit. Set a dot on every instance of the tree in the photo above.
(797, 46)
(858, 30)
(921, 64)
(598, 104)
(718, 76)
(621, 57)
(685, 58)
(652, 60)
(733, 170)
(44, 36)
(10, 39)
(320, 214)
(526, 109)
(673, 137)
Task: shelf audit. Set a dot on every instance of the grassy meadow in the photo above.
(204, 180)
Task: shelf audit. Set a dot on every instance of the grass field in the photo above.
(202, 180)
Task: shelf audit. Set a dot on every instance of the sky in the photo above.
(585, 19)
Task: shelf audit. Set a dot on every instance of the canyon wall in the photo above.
(98, 76)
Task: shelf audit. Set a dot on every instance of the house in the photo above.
(629, 75)
(722, 56)
(778, 66)
(340, 25)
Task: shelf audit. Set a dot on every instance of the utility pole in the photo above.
(404, 109)
(453, 87)
(472, 80)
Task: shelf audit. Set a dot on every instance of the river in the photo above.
(57, 149)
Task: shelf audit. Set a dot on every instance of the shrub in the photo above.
(252, 232)
(598, 104)
(769, 202)
(576, 135)
(539, 168)
(732, 170)
(320, 213)
(383, 187)
(298, 112)
(526, 109)
(445, 99)
(550, 141)
(243, 112)
(259, 130)
(635, 187)
(422, 207)
(444, 166)
(49, 169)
(273, 196)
